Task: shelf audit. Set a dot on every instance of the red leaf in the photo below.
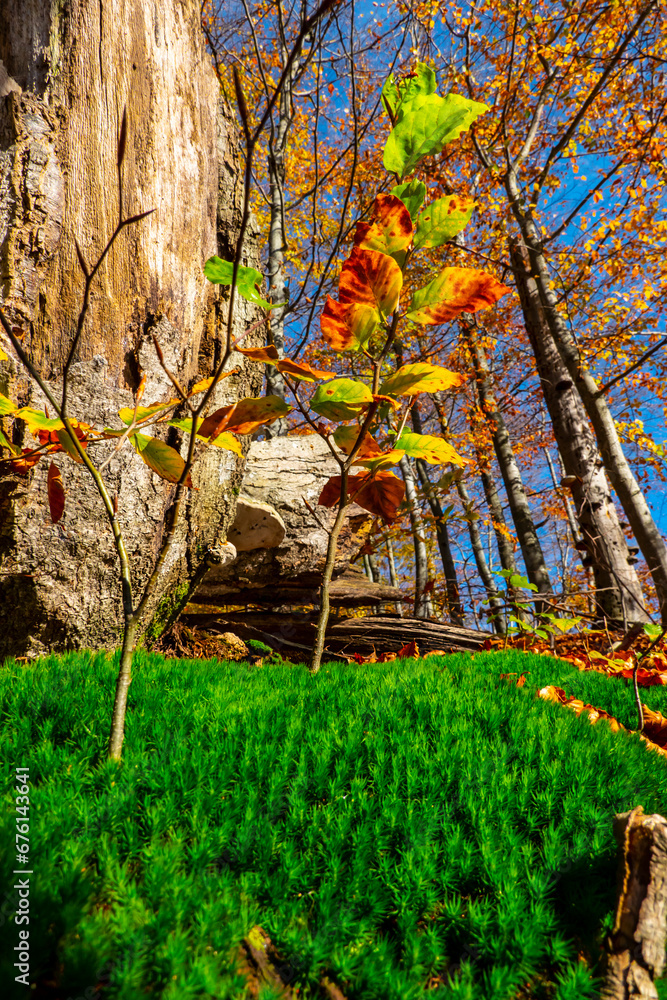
(56, 493)
(411, 649)
(381, 493)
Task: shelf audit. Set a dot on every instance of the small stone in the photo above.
(235, 648)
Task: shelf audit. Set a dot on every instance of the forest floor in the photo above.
(436, 826)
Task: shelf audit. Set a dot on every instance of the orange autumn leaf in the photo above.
(389, 229)
(55, 493)
(268, 353)
(411, 649)
(302, 370)
(381, 494)
(455, 290)
(369, 288)
(245, 416)
(347, 326)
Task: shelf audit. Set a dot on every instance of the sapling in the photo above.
(364, 421)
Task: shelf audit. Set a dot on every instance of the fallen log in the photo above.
(296, 632)
(393, 632)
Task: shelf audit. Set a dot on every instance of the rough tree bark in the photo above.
(619, 592)
(634, 504)
(531, 549)
(71, 69)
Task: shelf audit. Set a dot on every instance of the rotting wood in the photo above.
(285, 632)
(635, 950)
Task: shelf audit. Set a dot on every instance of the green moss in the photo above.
(170, 606)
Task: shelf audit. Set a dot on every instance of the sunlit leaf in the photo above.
(347, 327)
(431, 449)
(3, 356)
(6, 443)
(410, 380)
(160, 457)
(245, 416)
(382, 461)
(37, 420)
(224, 440)
(372, 278)
(303, 371)
(342, 399)
(346, 437)
(269, 354)
(204, 384)
(425, 126)
(389, 228)
(228, 442)
(55, 493)
(412, 195)
(369, 288)
(247, 279)
(381, 493)
(6, 406)
(399, 91)
(127, 413)
(442, 220)
(455, 290)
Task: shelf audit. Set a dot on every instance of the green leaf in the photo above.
(160, 457)
(652, 631)
(432, 449)
(6, 406)
(412, 195)
(6, 443)
(127, 412)
(247, 279)
(37, 420)
(398, 93)
(67, 445)
(425, 127)
(442, 220)
(410, 380)
(342, 399)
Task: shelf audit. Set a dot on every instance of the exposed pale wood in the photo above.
(71, 69)
(635, 953)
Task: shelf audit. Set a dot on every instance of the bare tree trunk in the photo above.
(531, 549)
(634, 504)
(485, 574)
(423, 607)
(73, 67)
(454, 607)
(619, 593)
(483, 568)
(393, 575)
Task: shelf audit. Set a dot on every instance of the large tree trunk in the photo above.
(619, 593)
(531, 549)
(73, 67)
(628, 491)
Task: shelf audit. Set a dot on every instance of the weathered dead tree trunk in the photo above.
(619, 592)
(635, 953)
(72, 69)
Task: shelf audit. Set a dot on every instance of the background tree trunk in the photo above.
(73, 67)
(423, 607)
(531, 549)
(619, 593)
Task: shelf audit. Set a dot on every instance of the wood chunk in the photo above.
(635, 950)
